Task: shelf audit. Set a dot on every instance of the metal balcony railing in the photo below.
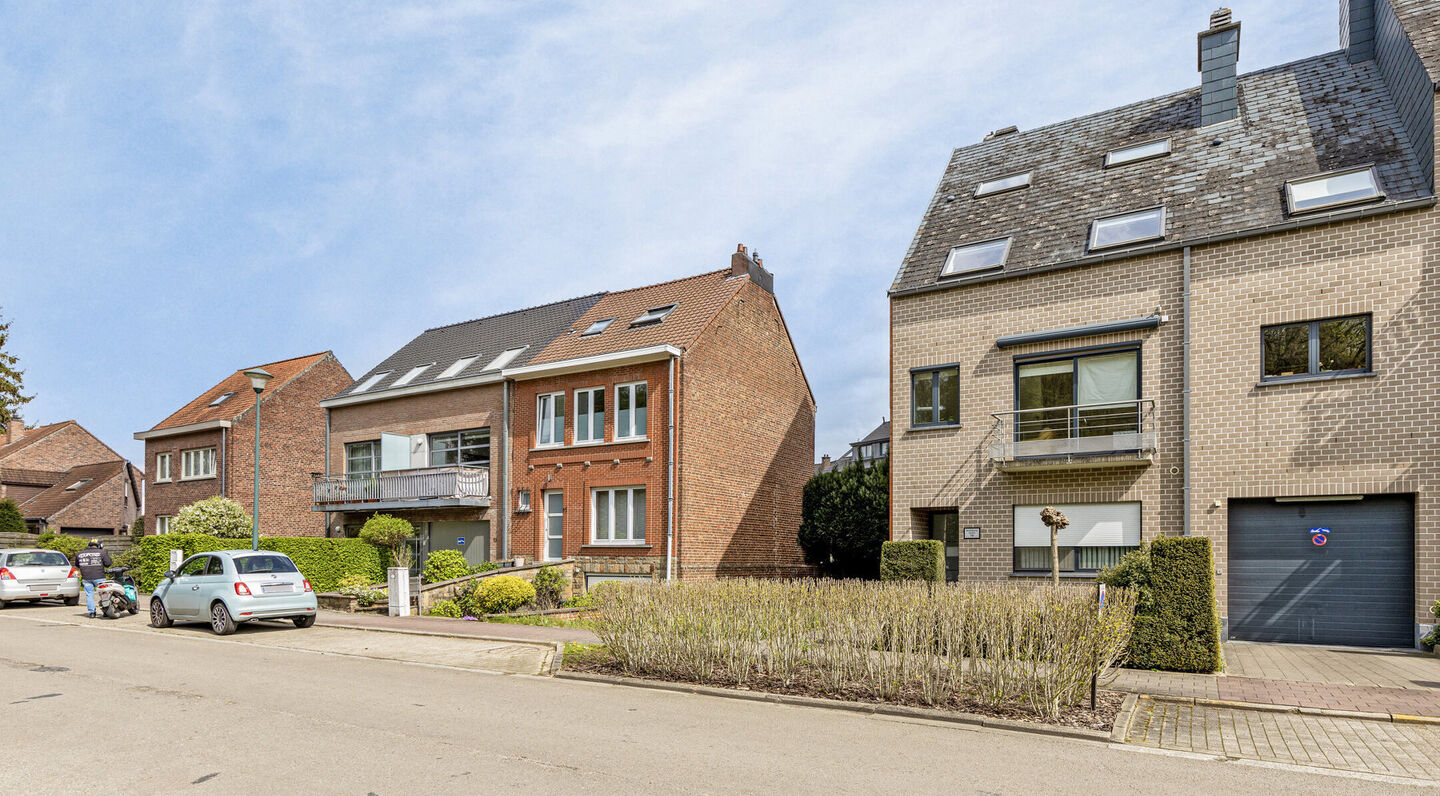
(429, 483)
(1118, 427)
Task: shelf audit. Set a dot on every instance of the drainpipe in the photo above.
(1185, 390)
(670, 490)
(224, 462)
(504, 470)
(327, 465)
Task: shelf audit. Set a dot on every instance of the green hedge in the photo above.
(922, 559)
(1177, 628)
(323, 561)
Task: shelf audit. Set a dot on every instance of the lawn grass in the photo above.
(541, 621)
(577, 653)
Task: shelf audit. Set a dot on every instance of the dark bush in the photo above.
(322, 561)
(1177, 628)
(11, 520)
(845, 517)
(443, 565)
(549, 586)
(921, 559)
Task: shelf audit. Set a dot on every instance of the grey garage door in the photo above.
(1357, 589)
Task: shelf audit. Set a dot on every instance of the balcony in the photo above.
(1116, 434)
(429, 487)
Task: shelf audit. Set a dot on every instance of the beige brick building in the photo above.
(1271, 242)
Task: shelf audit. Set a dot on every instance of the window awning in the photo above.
(1148, 322)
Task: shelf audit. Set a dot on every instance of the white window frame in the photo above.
(612, 494)
(630, 433)
(522, 500)
(585, 422)
(988, 187)
(162, 524)
(455, 367)
(1095, 227)
(545, 418)
(504, 358)
(411, 374)
(369, 384)
(221, 399)
(947, 272)
(545, 536)
(1290, 192)
(1125, 155)
(163, 474)
(206, 457)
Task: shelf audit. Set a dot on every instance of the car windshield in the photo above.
(263, 565)
(44, 558)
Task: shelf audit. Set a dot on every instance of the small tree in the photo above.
(214, 516)
(390, 533)
(845, 519)
(1056, 521)
(12, 380)
(137, 528)
(11, 520)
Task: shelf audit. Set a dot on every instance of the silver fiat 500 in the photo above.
(229, 587)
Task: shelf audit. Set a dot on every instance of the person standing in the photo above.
(92, 561)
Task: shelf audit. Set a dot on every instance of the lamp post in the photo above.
(258, 379)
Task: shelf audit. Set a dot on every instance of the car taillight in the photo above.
(74, 573)
(307, 586)
(241, 589)
(5, 574)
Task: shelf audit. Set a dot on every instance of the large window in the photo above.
(1081, 395)
(590, 415)
(935, 396)
(976, 257)
(630, 411)
(1316, 348)
(1099, 534)
(197, 463)
(162, 467)
(1333, 189)
(162, 524)
(362, 458)
(618, 516)
(550, 411)
(1128, 228)
(460, 447)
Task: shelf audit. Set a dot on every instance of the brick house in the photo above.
(66, 480)
(419, 435)
(574, 401)
(867, 450)
(1206, 313)
(206, 448)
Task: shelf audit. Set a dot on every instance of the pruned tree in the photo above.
(845, 518)
(12, 379)
(1056, 521)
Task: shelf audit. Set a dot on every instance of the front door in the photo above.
(554, 525)
(470, 538)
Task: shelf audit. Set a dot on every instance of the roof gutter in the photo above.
(493, 377)
(1148, 322)
(633, 356)
(1309, 220)
(175, 431)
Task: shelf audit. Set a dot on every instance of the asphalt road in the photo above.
(91, 707)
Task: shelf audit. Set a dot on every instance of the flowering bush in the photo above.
(215, 516)
(358, 586)
(496, 595)
(448, 608)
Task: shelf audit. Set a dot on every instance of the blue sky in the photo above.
(192, 188)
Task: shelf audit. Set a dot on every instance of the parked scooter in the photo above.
(117, 593)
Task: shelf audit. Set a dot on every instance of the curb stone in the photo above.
(932, 714)
(1121, 728)
(494, 639)
(1263, 707)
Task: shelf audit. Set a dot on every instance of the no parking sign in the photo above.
(1319, 536)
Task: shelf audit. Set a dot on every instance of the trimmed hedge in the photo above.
(62, 543)
(921, 559)
(323, 562)
(1178, 628)
(11, 520)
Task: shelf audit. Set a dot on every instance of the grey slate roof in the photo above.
(482, 338)
(1422, 26)
(1296, 120)
(880, 434)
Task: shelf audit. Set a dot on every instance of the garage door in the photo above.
(1355, 589)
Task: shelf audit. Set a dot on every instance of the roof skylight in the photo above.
(221, 399)
(370, 382)
(78, 484)
(455, 367)
(976, 257)
(597, 327)
(1128, 228)
(1003, 184)
(653, 315)
(411, 374)
(506, 357)
(1131, 154)
(1335, 188)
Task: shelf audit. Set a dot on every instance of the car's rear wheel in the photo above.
(304, 621)
(158, 616)
(220, 620)
(72, 600)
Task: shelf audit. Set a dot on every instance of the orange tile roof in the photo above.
(33, 435)
(52, 500)
(200, 410)
(696, 298)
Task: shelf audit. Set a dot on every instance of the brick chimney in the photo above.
(743, 264)
(1219, 51)
(1357, 29)
(14, 430)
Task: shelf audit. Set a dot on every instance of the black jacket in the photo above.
(92, 562)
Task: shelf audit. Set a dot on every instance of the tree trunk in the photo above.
(1055, 556)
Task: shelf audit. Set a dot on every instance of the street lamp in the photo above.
(258, 379)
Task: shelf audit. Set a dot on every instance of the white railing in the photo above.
(1115, 427)
(429, 483)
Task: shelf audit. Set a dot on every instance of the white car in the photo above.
(32, 575)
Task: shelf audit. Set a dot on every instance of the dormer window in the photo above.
(1012, 183)
(597, 327)
(1134, 154)
(1331, 189)
(653, 316)
(455, 367)
(974, 257)
(221, 399)
(411, 375)
(505, 358)
(1128, 228)
(370, 382)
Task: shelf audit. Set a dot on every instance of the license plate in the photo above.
(276, 589)
(45, 587)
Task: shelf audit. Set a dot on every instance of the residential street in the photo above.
(196, 713)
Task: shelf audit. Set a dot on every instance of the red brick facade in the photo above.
(48, 458)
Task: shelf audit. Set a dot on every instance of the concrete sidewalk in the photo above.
(458, 627)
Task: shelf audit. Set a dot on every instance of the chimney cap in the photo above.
(1220, 18)
(739, 248)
